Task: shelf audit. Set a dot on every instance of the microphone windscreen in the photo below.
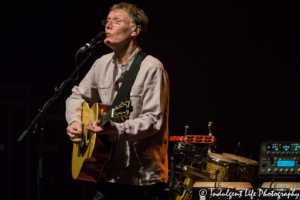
(102, 35)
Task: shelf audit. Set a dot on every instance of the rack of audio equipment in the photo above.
(280, 159)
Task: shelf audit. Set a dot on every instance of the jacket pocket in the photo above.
(104, 84)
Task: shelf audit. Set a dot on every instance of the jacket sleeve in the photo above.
(86, 91)
(154, 101)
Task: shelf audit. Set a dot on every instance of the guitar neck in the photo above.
(105, 118)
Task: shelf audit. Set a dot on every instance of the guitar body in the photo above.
(89, 157)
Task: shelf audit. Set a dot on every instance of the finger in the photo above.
(72, 136)
(75, 132)
(76, 140)
(95, 123)
(74, 128)
(102, 112)
(90, 125)
(95, 129)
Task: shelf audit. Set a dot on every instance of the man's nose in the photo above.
(108, 25)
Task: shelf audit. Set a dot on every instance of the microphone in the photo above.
(98, 39)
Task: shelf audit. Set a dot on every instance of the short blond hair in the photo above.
(137, 15)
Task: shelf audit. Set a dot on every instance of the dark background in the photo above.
(231, 62)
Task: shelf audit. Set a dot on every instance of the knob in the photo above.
(275, 158)
(292, 170)
(297, 153)
(276, 170)
(283, 153)
(273, 152)
(277, 153)
(281, 170)
(269, 170)
(286, 170)
(298, 170)
(287, 153)
(295, 158)
(293, 153)
(268, 152)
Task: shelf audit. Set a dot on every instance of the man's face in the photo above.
(118, 33)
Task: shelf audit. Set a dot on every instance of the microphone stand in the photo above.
(38, 123)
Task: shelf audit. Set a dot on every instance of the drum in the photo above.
(193, 175)
(226, 166)
(247, 168)
(279, 190)
(222, 190)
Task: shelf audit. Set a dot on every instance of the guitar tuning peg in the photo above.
(130, 108)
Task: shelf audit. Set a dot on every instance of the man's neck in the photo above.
(124, 52)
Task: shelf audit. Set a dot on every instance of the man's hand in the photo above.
(74, 131)
(111, 129)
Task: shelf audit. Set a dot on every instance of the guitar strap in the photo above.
(129, 79)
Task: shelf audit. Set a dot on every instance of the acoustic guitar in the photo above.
(90, 156)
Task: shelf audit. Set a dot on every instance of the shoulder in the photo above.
(152, 63)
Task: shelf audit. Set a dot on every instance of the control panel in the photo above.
(279, 156)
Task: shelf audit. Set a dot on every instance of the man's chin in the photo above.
(108, 43)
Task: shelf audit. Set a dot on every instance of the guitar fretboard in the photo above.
(105, 118)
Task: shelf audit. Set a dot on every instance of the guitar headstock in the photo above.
(122, 112)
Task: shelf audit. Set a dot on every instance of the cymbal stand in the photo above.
(175, 185)
(216, 179)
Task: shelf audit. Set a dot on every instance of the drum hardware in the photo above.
(209, 128)
(216, 178)
(192, 175)
(200, 139)
(276, 174)
(186, 128)
(175, 185)
(238, 146)
(182, 147)
(191, 159)
(208, 147)
(209, 133)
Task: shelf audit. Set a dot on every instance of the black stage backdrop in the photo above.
(235, 63)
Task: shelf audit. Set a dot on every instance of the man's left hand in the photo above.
(110, 129)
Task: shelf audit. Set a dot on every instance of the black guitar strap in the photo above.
(129, 79)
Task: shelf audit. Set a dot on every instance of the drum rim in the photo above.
(217, 156)
(225, 185)
(242, 160)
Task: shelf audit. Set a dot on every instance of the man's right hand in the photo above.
(74, 131)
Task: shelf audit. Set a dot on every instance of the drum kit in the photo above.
(198, 173)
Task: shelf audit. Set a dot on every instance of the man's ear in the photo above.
(136, 30)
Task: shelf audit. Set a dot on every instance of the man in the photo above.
(138, 166)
